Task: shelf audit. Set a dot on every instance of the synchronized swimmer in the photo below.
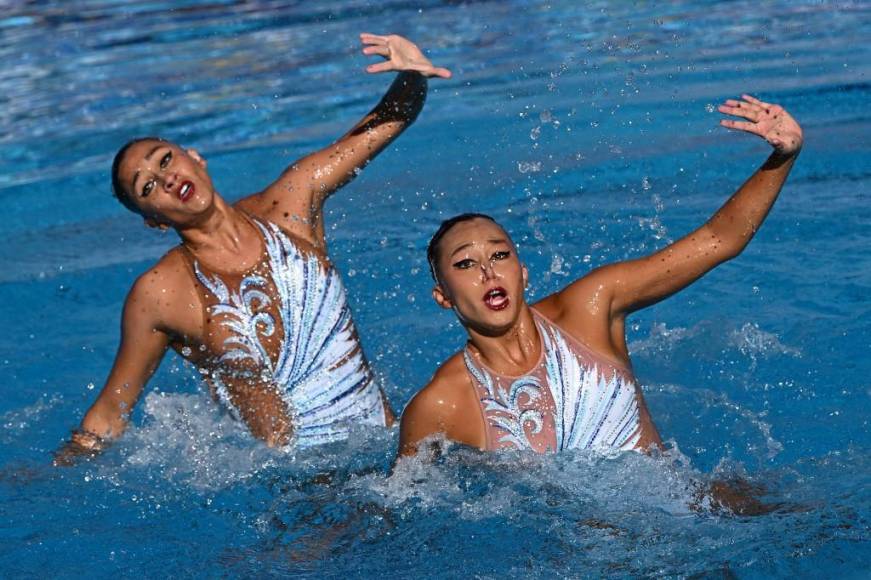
(251, 298)
(249, 295)
(556, 375)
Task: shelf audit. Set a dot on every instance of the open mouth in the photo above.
(496, 298)
(185, 191)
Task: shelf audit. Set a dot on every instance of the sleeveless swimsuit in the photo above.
(285, 325)
(572, 399)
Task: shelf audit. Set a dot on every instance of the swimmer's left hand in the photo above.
(771, 122)
(401, 55)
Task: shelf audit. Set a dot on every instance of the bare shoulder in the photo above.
(448, 387)
(298, 222)
(584, 300)
(448, 405)
(164, 295)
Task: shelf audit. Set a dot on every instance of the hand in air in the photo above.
(401, 55)
(771, 122)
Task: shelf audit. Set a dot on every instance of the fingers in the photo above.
(380, 49)
(441, 72)
(738, 110)
(755, 101)
(740, 126)
(380, 67)
(367, 38)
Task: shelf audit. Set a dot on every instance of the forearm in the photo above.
(399, 106)
(736, 222)
(105, 419)
(99, 427)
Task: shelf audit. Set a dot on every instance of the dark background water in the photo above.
(588, 129)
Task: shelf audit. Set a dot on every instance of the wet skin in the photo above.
(476, 256)
(170, 187)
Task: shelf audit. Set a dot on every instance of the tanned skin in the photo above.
(478, 255)
(163, 308)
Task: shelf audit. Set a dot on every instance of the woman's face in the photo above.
(480, 276)
(169, 185)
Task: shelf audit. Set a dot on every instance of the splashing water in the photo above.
(590, 133)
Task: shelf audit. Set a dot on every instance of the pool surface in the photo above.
(590, 130)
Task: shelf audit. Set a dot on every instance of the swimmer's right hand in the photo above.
(81, 444)
(401, 55)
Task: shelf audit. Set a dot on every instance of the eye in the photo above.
(164, 162)
(501, 255)
(464, 264)
(146, 189)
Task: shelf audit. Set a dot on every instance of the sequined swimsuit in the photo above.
(572, 399)
(284, 327)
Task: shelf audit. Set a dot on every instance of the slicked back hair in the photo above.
(118, 190)
(433, 252)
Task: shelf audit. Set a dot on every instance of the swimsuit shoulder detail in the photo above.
(285, 324)
(572, 399)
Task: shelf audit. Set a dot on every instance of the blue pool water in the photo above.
(588, 128)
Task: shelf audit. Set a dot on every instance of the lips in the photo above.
(186, 191)
(496, 298)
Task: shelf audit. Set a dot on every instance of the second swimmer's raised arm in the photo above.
(635, 284)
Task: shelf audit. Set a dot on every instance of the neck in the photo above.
(511, 352)
(223, 230)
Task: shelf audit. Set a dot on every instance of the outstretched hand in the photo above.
(401, 55)
(771, 122)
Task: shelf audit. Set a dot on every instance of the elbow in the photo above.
(730, 252)
(724, 246)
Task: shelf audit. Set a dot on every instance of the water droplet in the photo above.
(529, 166)
(186, 351)
(710, 108)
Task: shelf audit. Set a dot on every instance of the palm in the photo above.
(771, 122)
(401, 55)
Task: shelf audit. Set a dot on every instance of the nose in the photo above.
(169, 182)
(487, 270)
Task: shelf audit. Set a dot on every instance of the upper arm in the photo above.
(299, 193)
(645, 281)
(420, 419)
(141, 349)
(621, 288)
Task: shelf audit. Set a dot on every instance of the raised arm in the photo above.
(634, 284)
(299, 193)
(139, 354)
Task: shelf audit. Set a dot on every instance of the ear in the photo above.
(441, 298)
(525, 273)
(197, 157)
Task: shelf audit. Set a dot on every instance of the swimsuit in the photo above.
(284, 327)
(572, 399)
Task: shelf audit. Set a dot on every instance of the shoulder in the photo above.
(586, 298)
(447, 405)
(157, 292)
(449, 388)
(298, 225)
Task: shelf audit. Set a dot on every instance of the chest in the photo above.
(566, 402)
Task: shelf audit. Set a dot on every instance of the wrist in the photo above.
(88, 440)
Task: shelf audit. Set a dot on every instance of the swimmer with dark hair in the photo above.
(556, 375)
(249, 295)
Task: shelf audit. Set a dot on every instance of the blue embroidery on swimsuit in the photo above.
(320, 371)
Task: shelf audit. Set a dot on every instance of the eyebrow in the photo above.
(491, 240)
(147, 158)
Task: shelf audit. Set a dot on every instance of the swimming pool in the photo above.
(589, 131)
